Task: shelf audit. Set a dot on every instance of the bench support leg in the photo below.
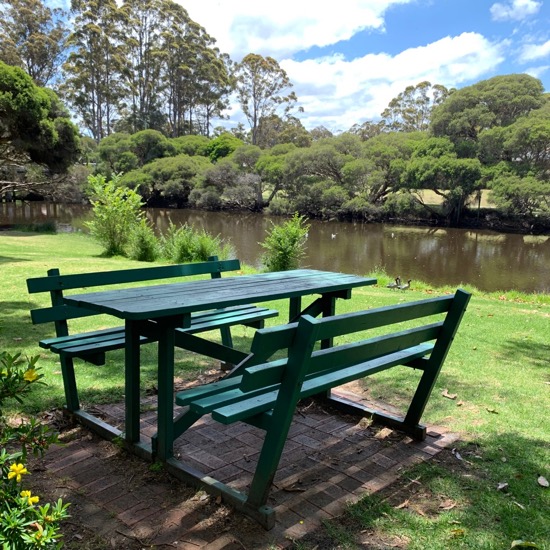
(69, 383)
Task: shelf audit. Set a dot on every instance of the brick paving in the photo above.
(329, 461)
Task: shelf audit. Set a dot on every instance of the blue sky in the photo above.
(348, 59)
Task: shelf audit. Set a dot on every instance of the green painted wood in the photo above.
(266, 391)
(163, 300)
(283, 412)
(378, 317)
(185, 397)
(103, 278)
(165, 411)
(132, 380)
(338, 357)
(435, 362)
(262, 401)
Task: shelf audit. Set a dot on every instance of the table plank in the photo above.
(178, 298)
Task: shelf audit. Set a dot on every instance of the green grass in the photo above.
(499, 367)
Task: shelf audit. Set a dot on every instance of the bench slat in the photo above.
(100, 278)
(316, 383)
(113, 338)
(343, 355)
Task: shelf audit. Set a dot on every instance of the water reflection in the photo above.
(486, 259)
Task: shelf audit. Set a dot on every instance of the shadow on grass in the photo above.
(451, 503)
(520, 350)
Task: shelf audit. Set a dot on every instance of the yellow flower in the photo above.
(30, 499)
(30, 375)
(16, 471)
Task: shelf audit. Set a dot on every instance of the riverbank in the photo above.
(493, 392)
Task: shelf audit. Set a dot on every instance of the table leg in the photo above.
(294, 309)
(165, 407)
(131, 369)
(328, 308)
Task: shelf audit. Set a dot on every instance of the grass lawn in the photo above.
(498, 368)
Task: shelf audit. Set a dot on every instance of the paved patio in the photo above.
(329, 461)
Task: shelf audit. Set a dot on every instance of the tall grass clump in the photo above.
(285, 244)
(186, 244)
(143, 244)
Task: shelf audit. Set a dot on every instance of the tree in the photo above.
(141, 75)
(498, 101)
(34, 128)
(93, 69)
(434, 165)
(195, 74)
(367, 130)
(260, 83)
(274, 130)
(411, 110)
(32, 37)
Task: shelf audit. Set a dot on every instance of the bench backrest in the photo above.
(427, 343)
(56, 284)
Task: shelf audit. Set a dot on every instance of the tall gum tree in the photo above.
(32, 37)
(411, 110)
(92, 82)
(260, 83)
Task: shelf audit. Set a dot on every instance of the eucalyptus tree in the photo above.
(143, 21)
(260, 83)
(194, 73)
(93, 83)
(411, 110)
(274, 130)
(32, 37)
(367, 129)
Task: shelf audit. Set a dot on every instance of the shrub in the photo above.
(185, 244)
(23, 523)
(285, 244)
(143, 245)
(116, 211)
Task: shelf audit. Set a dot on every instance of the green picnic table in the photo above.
(156, 311)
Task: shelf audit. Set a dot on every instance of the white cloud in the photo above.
(534, 51)
(337, 93)
(261, 27)
(537, 72)
(516, 10)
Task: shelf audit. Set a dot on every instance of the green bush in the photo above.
(186, 244)
(23, 523)
(285, 244)
(116, 211)
(143, 244)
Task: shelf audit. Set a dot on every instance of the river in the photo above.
(489, 260)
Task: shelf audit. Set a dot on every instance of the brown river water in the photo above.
(486, 259)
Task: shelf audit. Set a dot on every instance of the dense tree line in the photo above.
(146, 83)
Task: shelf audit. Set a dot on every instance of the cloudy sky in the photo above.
(348, 59)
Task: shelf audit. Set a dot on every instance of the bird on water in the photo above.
(395, 284)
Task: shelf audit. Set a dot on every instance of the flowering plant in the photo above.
(24, 524)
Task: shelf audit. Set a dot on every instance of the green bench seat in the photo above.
(92, 346)
(264, 392)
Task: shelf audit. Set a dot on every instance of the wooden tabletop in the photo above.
(156, 301)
